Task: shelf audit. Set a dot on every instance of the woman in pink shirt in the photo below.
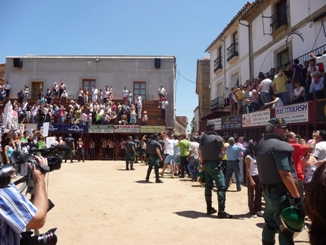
(61, 114)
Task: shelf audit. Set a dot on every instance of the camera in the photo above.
(54, 159)
(48, 238)
(5, 175)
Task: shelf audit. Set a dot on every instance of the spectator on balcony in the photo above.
(64, 95)
(125, 93)
(61, 114)
(20, 96)
(161, 92)
(289, 85)
(106, 95)
(297, 72)
(26, 92)
(232, 106)
(95, 93)
(62, 88)
(55, 90)
(80, 96)
(254, 98)
(133, 116)
(312, 63)
(2, 95)
(164, 106)
(144, 119)
(7, 88)
(317, 87)
(275, 103)
(49, 96)
(139, 106)
(129, 100)
(247, 96)
(239, 92)
(279, 86)
(124, 119)
(86, 96)
(298, 93)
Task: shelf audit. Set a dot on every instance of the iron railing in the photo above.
(218, 63)
(232, 51)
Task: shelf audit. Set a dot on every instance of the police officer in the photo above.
(278, 178)
(71, 143)
(137, 146)
(130, 153)
(154, 151)
(210, 153)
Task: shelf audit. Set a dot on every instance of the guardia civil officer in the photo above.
(278, 178)
(210, 153)
(154, 151)
(130, 153)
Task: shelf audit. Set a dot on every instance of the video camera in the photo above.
(48, 238)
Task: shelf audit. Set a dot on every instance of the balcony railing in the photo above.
(232, 51)
(218, 63)
(217, 104)
(278, 20)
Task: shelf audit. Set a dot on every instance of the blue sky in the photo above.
(119, 27)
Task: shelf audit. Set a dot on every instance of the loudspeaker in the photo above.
(157, 63)
(18, 62)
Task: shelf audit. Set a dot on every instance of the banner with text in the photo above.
(258, 118)
(293, 113)
(93, 129)
(231, 122)
(126, 128)
(151, 129)
(217, 123)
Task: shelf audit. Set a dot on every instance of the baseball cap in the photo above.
(278, 122)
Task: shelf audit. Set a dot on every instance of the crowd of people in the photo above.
(295, 84)
(97, 106)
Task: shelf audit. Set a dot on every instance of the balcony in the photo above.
(218, 63)
(232, 51)
(279, 23)
(217, 104)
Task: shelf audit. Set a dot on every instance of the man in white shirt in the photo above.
(125, 93)
(161, 92)
(7, 88)
(168, 153)
(164, 106)
(94, 94)
(193, 158)
(139, 106)
(264, 89)
(320, 148)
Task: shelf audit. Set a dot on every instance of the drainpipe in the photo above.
(249, 49)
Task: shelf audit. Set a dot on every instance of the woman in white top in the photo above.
(299, 92)
(276, 102)
(253, 183)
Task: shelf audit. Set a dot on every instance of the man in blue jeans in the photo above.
(232, 154)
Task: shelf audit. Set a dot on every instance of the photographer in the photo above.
(18, 213)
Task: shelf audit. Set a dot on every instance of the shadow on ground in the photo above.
(193, 214)
(144, 182)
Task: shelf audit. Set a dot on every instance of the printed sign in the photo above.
(27, 127)
(126, 128)
(53, 128)
(293, 113)
(258, 118)
(46, 129)
(231, 122)
(217, 123)
(50, 141)
(80, 128)
(151, 129)
(101, 129)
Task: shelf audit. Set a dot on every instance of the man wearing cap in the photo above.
(130, 153)
(278, 178)
(210, 155)
(154, 151)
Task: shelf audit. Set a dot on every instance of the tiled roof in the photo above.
(240, 13)
(182, 119)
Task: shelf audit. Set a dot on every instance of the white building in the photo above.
(229, 55)
(283, 30)
(140, 74)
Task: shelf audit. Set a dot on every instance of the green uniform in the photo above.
(130, 156)
(153, 160)
(273, 155)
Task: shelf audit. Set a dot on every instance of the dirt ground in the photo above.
(99, 202)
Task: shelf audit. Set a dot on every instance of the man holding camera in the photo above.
(17, 212)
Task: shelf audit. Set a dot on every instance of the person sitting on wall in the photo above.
(144, 120)
(317, 87)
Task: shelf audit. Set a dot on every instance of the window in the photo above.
(89, 84)
(36, 87)
(140, 88)
(280, 16)
(218, 60)
(232, 51)
(282, 58)
(235, 37)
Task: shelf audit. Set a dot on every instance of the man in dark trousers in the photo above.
(210, 154)
(154, 151)
(130, 153)
(278, 179)
(71, 143)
